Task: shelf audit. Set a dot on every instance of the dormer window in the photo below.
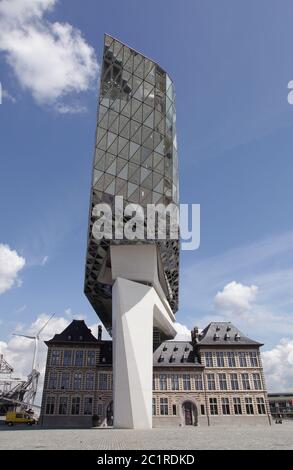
(165, 348)
(69, 337)
(216, 337)
(227, 336)
(186, 348)
(172, 358)
(103, 359)
(80, 338)
(175, 348)
(161, 358)
(217, 328)
(228, 328)
(184, 358)
(237, 337)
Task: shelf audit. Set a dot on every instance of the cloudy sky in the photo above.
(231, 63)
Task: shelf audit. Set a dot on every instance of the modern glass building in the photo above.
(135, 157)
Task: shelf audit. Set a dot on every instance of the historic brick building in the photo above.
(214, 378)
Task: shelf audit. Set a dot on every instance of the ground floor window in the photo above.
(213, 406)
(63, 405)
(174, 409)
(249, 406)
(163, 406)
(75, 406)
(237, 406)
(50, 406)
(202, 410)
(88, 406)
(154, 407)
(225, 406)
(261, 406)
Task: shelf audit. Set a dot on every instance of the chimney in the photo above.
(99, 333)
(194, 335)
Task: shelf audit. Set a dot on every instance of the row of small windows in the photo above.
(79, 381)
(64, 406)
(72, 358)
(213, 381)
(226, 408)
(214, 406)
(231, 359)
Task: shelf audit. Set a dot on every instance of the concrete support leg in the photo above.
(136, 309)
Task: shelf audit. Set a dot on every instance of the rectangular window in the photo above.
(89, 381)
(77, 381)
(88, 406)
(174, 409)
(100, 409)
(220, 359)
(237, 406)
(55, 357)
(79, 358)
(63, 405)
(163, 381)
(213, 406)
(261, 406)
(253, 359)
(211, 382)
(242, 359)
(223, 381)
(163, 406)
(234, 382)
(65, 377)
(231, 359)
(245, 381)
(198, 381)
(202, 410)
(52, 385)
(50, 405)
(75, 406)
(67, 355)
(209, 359)
(225, 406)
(103, 382)
(154, 407)
(186, 382)
(91, 358)
(249, 406)
(256, 381)
(175, 381)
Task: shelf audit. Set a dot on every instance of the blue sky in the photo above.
(231, 62)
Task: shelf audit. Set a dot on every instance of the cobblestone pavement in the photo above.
(278, 436)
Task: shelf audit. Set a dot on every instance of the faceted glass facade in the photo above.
(135, 157)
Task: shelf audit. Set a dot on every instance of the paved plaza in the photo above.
(278, 436)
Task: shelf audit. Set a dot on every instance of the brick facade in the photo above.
(202, 382)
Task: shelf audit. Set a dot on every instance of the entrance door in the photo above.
(188, 413)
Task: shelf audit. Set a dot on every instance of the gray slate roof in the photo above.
(175, 353)
(224, 334)
(76, 332)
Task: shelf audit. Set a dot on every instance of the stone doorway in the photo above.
(189, 413)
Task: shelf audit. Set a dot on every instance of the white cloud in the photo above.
(7, 96)
(236, 297)
(44, 260)
(278, 366)
(49, 59)
(10, 265)
(183, 333)
(70, 109)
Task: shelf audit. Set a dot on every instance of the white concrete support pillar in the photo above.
(136, 309)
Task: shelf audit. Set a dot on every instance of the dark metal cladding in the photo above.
(135, 157)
